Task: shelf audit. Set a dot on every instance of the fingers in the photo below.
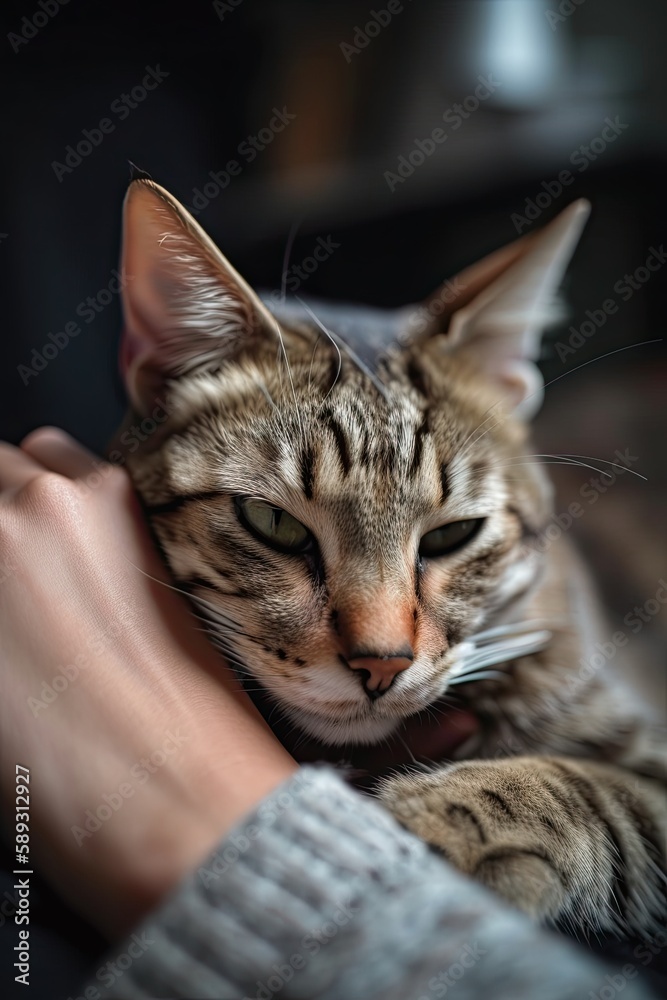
(57, 451)
(16, 467)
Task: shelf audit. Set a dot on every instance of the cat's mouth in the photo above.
(485, 656)
(352, 718)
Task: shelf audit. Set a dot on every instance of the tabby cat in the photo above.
(347, 496)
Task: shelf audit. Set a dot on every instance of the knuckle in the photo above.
(47, 498)
(49, 492)
(41, 436)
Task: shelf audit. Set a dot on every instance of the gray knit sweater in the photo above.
(320, 894)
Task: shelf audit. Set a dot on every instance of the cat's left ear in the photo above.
(185, 307)
(494, 312)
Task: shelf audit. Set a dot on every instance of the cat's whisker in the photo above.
(552, 460)
(496, 646)
(502, 651)
(209, 619)
(593, 458)
(284, 717)
(192, 597)
(600, 357)
(286, 256)
(339, 343)
(206, 622)
(265, 392)
(312, 362)
(264, 389)
(328, 334)
(518, 628)
(484, 675)
(406, 747)
(222, 615)
(223, 626)
(463, 450)
(568, 460)
(302, 739)
(283, 349)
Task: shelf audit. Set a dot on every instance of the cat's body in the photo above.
(360, 531)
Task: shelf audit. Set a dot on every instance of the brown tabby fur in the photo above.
(557, 800)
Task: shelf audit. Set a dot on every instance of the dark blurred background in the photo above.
(575, 87)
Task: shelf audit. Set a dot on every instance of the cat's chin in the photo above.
(342, 732)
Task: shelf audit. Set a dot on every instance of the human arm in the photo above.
(79, 580)
(100, 661)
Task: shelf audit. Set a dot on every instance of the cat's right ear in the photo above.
(185, 307)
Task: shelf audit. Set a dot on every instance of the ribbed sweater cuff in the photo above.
(320, 894)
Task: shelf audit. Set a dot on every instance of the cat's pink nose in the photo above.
(380, 669)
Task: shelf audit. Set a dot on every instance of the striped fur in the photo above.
(557, 800)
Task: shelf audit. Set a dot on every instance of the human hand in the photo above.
(112, 697)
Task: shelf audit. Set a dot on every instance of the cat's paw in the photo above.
(491, 820)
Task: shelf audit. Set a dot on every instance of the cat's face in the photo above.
(342, 534)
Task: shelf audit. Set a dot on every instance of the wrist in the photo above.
(230, 762)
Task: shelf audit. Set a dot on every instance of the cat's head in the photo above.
(343, 530)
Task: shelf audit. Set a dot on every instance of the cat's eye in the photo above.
(448, 538)
(274, 525)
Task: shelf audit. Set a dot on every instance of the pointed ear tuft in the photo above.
(494, 312)
(185, 307)
(137, 174)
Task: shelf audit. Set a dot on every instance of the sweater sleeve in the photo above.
(320, 894)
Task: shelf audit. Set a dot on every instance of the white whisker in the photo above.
(600, 357)
(331, 338)
(486, 675)
(339, 343)
(286, 256)
(283, 349)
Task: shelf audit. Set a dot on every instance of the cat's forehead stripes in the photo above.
(341, 441)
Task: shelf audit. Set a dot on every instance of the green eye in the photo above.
(449, 537)
(274, 526)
